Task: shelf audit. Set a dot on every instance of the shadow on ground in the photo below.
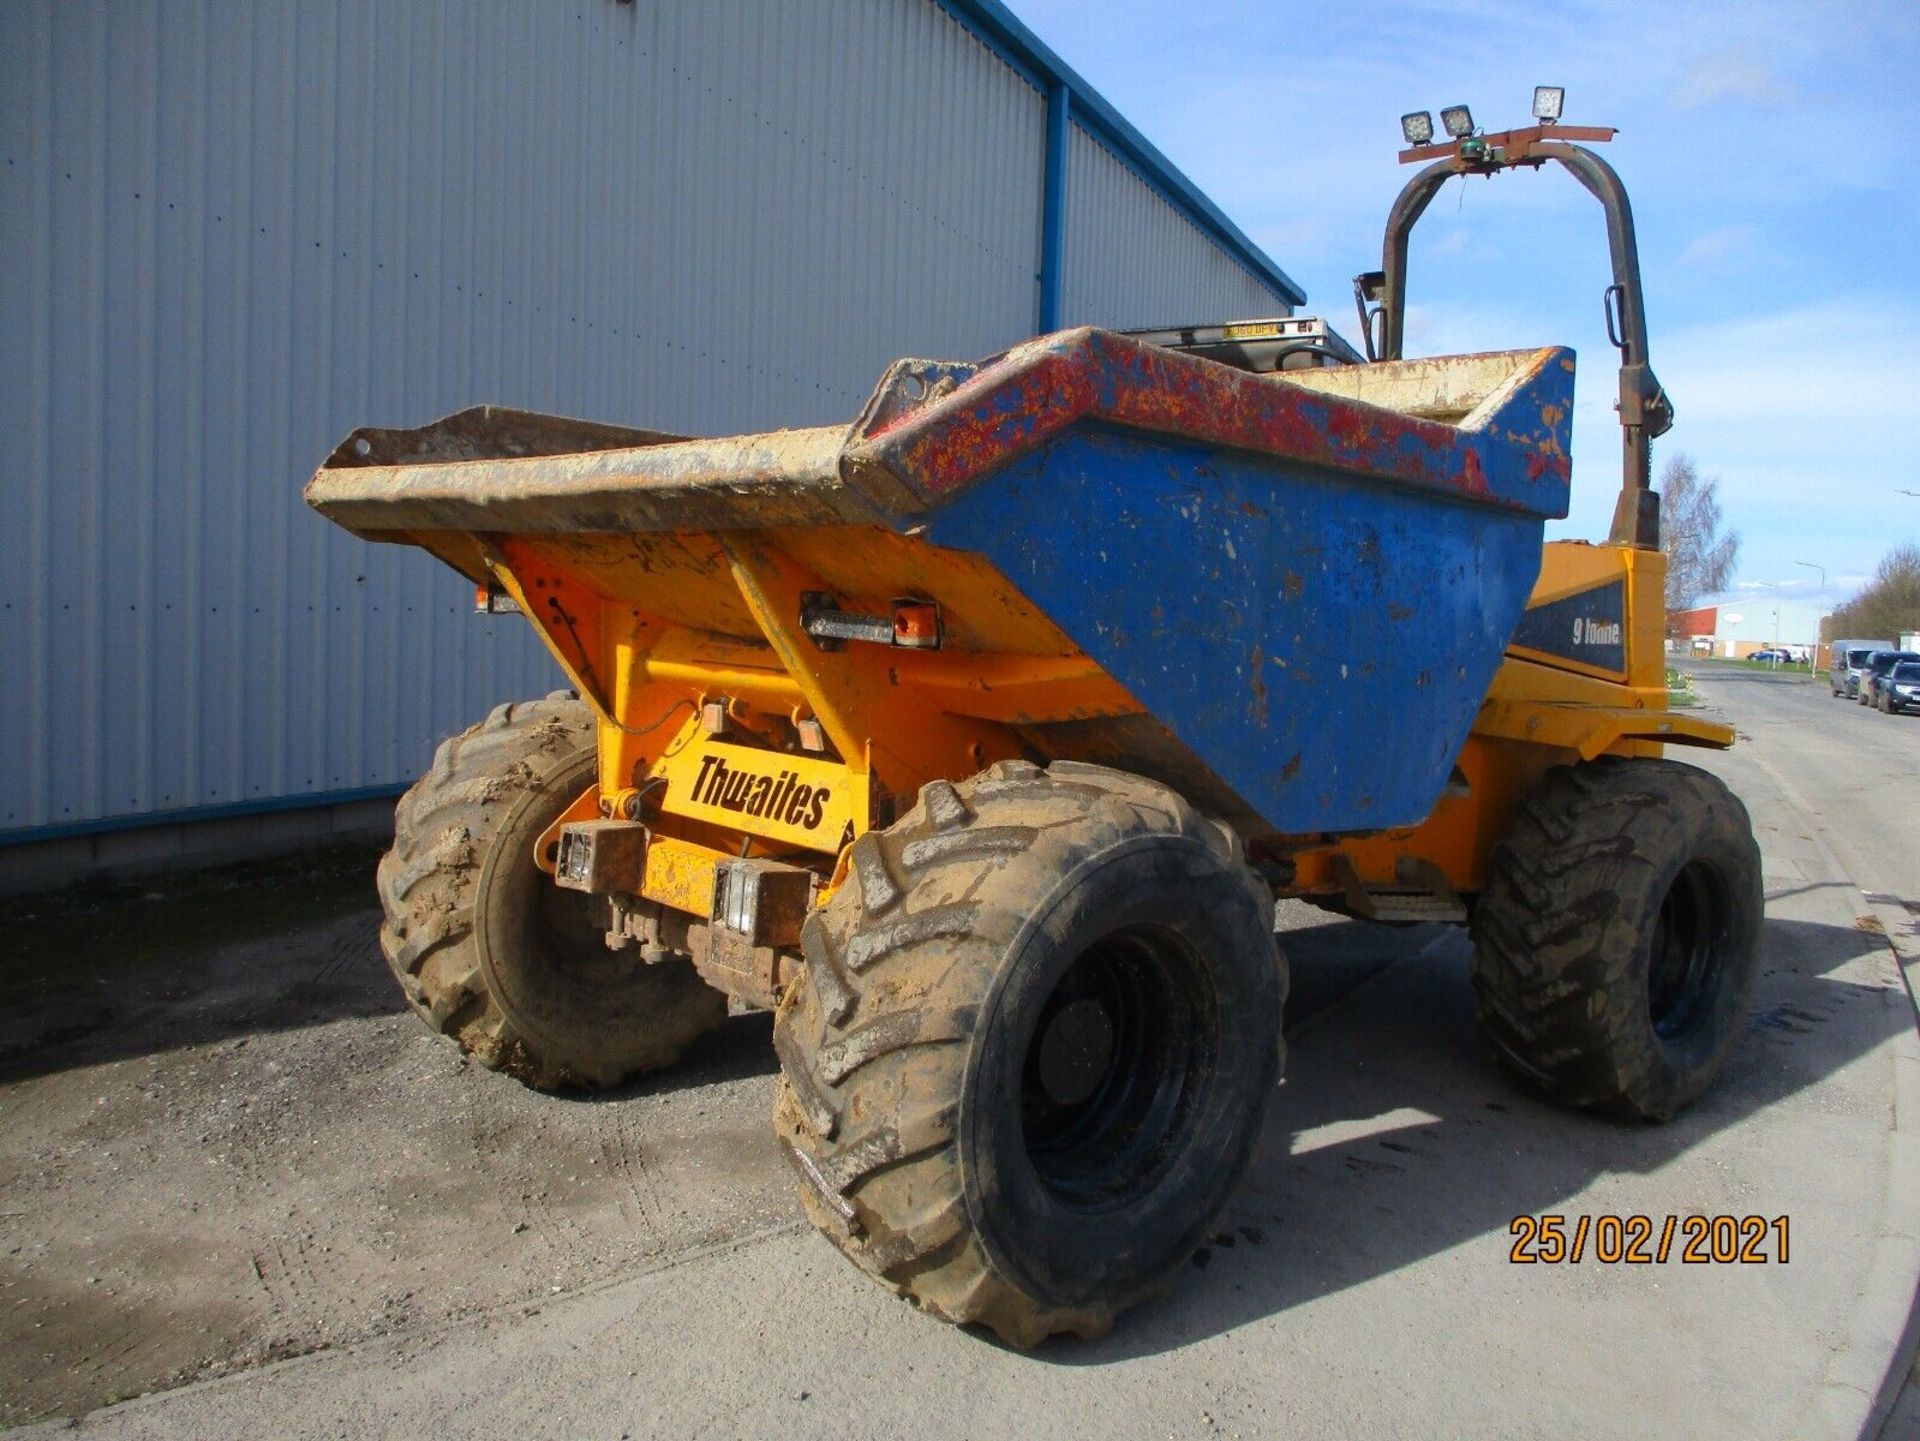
(1462, 1148)
(107, 972)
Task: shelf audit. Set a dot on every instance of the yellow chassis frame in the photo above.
(674, 697)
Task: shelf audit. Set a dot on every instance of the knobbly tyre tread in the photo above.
(873, 1039)
(428, 881)
(1559, 930)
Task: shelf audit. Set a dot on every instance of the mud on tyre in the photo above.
(1031, 1046)
(1616, 945)
(489, 952)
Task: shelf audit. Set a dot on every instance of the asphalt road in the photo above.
(1853, 770)
(261, 1157)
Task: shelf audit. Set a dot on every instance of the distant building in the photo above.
(1732, 628)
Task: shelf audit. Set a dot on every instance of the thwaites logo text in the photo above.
(782, 797)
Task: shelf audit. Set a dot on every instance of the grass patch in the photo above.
(1802, 669)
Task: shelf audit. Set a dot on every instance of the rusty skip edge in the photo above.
(930, 430)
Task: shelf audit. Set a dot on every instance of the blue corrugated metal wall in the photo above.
(230, 232)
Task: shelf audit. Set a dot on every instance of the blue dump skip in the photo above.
(1320, 642)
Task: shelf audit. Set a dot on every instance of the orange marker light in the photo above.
(916, 624)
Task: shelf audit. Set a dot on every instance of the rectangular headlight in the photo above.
(743, 894)
(761, 902)
(1417, 127)
(1547, 101)
(1458, 120)
(601, 857)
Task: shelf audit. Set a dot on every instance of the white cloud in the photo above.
(1820, 381)
(1731, 73)
(1794, 411)
(1729, 247)
(1466, 243)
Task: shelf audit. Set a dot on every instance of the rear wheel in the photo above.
(1029, 1054)
(493, 955)
(1616, 945)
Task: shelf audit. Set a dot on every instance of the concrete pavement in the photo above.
(1853, 777)
(1360, 1283)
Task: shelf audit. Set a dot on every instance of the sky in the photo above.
(1770, 151)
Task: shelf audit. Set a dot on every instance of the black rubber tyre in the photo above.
(1885, 702)
(494, 956)
(1032, 1043)
(1616, 945)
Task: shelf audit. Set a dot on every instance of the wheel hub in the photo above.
(1075, 1052)
(1114, 1066)
(1684, 967)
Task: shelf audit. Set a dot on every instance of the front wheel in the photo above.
(1617, 943)
(494, 956)
(1036, 1032)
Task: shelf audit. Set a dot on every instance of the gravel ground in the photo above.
(227, 1143)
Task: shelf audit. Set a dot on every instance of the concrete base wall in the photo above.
(34, 866)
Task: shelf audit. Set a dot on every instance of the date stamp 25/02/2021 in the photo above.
(1636, 1240)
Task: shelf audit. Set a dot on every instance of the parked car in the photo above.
(1875, 671)
(1776, 657)
(1900, 688)
(1846, 658)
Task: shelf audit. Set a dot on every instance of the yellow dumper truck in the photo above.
(977, 736)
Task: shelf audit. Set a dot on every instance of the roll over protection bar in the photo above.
(1645, 412)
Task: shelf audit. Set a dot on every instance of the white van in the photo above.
(1847, 657)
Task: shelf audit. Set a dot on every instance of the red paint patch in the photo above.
(1473, 480)
(1037, 391)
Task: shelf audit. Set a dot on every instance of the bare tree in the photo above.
(1699, 558)
(1891, 602)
